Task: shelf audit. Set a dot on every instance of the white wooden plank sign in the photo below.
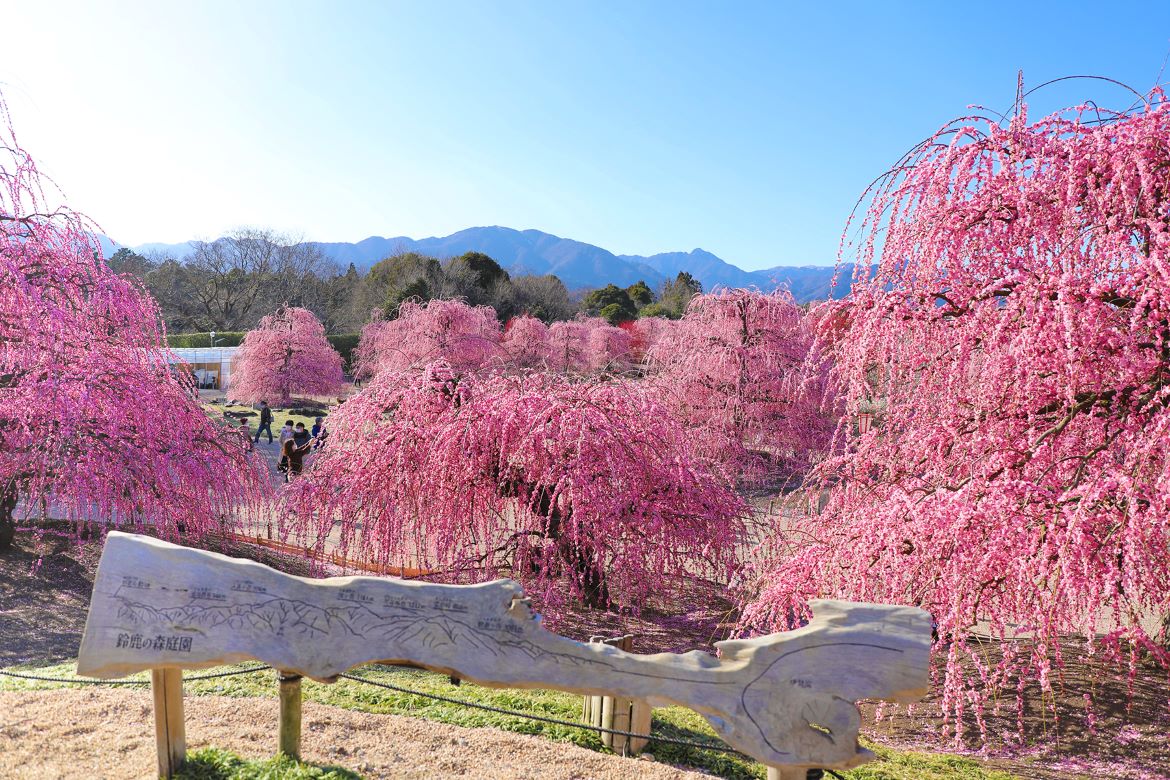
(787, 699)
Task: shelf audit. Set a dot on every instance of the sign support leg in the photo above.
(290, 714)
(640, 714)
(169, 731)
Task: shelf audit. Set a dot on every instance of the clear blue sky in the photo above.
(746, 129)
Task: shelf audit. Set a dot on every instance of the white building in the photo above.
(212, 366)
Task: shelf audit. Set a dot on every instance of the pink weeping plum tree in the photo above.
(93, 424)
(1013, 340)
(588, 345)
(467, 337)
(578, 488)
(526, 344)
(568, 347)
(286, 353)
(607, 347)
(733, 370)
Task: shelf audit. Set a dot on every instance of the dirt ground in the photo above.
(44, 597)
(110, 734)
(44, 594)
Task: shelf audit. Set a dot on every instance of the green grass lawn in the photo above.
(675, 722)
(215, 411)
(216, 764)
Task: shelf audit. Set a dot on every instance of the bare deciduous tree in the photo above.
(237, 278)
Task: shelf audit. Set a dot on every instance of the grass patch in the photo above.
(216, 412)
(214, 764)
(677, 722)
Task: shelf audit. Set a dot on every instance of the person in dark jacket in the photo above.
(265, 422)
(294, 456)
(300, 435)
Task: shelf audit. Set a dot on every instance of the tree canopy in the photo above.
(677, 294)
(287, 353)
(611, 303)
(1013, 341)
(640, 293)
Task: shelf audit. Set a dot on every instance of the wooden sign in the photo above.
(787, 699)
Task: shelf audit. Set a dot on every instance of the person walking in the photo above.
(300, 435)
(265, 422)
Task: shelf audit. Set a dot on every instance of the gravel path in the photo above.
(109, 733)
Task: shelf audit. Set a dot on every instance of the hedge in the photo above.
(203, 340)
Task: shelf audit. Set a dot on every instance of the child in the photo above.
(246, 432)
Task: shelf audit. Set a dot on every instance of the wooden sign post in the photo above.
(290, 714)
(169, 729)
(787, 699)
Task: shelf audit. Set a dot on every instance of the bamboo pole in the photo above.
(607, 739)
(170, 734)
(610, 711)
(290, 714)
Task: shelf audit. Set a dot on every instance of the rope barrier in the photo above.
(559, 722)
(69, 680)
(91, 681)
(410, 692)
(545, 719)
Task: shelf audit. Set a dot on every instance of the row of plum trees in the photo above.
(733, 369)
(580, 454)
(580, 458)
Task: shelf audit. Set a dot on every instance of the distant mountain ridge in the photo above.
(579, 265)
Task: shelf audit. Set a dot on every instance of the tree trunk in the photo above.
(587, 575)
(7, 522)
(590, 577)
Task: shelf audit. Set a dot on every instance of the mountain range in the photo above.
(579, 265)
